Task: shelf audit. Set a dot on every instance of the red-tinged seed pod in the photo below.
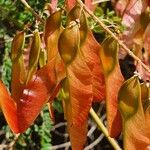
(109, 55)
(42, 58)
(145, 97)
(65, 90)
(129, 97)
(34, 55)
(18, 71)
(35, 49)
(17, 45)
(69, 42)
(145, 91)
(78, 14)
(145, 19)
(53, 22)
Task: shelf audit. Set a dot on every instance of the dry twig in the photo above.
(32, 11)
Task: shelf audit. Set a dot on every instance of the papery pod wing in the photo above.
(53, 22)
(77, 86)
(145, 19)
(42, 62)
(145, 93)
(54, 5)
(77, 134)
(145, 96)
(90, 50)
(136, 131)
(9, 108)
(78, 14)
(42, 88)
(39, 90)
(35, 49)
(17, 45)
(145, 75)
(69, 42)
(52, 45)
(78, 99)
(51, 35)
(52, 32)
(146, 40)
(120, 7)
(18, 68)
(113, 82)
(51, 7)
(42, 58)
(76, 68)
(70, 4)
(26, 53)
(35, 95)
(129, 98)
(50, 103)
(90, 5)
(34, 55)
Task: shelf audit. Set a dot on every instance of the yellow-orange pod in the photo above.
(69, 42)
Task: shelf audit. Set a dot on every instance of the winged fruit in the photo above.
(69, 42)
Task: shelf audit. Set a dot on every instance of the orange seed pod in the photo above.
(69, 42)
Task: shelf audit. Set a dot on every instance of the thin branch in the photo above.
(2, 132)
(99, 123)
(96, 19)
(65, 135)
(32, 11)
(31, 35)
(99, 1)
(26, 36)
(60, 146)
(94, 143)
(2, 146)
(11, 145)
(59, 125)
(90, 132)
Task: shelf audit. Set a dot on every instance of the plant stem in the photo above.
(11, 145)
(99, 1)
(98, 121)
(32, 11)
(26, 36)
(113, 35)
